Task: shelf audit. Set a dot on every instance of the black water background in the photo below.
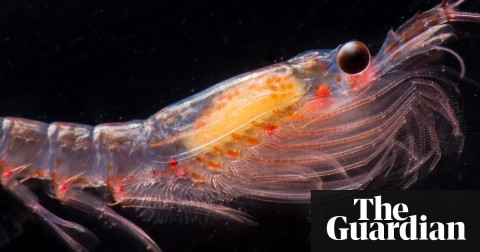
(100, 61)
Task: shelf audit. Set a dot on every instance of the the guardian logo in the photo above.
(391, 223)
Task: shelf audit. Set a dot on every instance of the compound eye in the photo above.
(353, 57)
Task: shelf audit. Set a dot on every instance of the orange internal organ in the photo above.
(235, 108)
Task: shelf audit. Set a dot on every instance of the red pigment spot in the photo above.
(444, 3)
(63, 186)
(120, 190)
(271, 129)
(173, 163)
(180, 174)
(8, 174)
(323, 90)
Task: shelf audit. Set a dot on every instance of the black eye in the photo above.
(353, 57)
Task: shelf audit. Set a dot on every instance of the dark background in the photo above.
(101, 61)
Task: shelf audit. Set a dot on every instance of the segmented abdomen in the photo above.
(62, 152)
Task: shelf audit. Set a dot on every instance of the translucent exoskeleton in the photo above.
(326, 119)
